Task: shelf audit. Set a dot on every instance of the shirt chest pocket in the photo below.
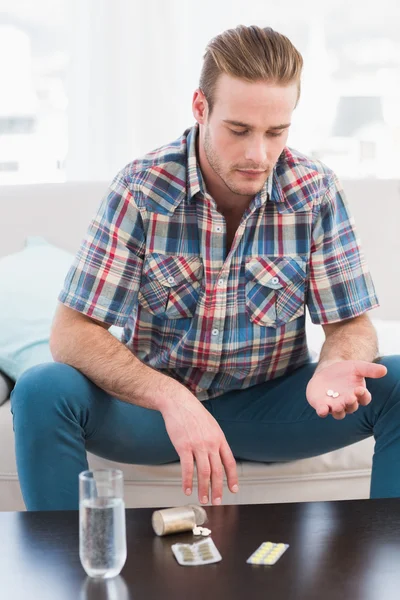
(171, 285)
(275, 289)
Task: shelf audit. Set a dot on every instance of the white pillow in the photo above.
(30, 282)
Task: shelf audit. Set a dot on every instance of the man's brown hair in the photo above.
(250, 53)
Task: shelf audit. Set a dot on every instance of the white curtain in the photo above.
(135, 64)
(134, 67)
(127, 85)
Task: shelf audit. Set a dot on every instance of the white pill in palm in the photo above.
(330, 393)
(335, 395)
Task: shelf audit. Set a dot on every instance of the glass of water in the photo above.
(102, 531)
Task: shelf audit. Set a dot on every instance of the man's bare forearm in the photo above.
(111, 366)
(355, 339)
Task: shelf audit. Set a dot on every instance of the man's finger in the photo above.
(322, 410)
(217, 474)
(229, 462)
(351, 407)
(187, 466)
(362, 394)
(338, 414)
(338, 408)
(373, 370)
(365, 398)
(203, 475)
(349, 401)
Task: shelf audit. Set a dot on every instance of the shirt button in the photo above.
(275, 280)
(221, 282)
(218, 229)
(215, 332)
(171, 280)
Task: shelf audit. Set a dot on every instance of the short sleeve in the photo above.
(340, 285)
(104, 278)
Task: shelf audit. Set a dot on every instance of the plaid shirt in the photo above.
(155, 262)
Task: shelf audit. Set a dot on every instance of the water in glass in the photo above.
(102, 539)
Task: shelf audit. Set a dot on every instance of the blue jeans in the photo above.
(59, 414)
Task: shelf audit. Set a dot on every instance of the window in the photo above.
(90, 85)
(33, 100)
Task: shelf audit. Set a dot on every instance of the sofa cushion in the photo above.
(30, 282)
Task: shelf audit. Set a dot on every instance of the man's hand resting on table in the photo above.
(346, 377)
(196, 436)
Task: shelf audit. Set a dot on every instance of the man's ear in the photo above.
(200, 107)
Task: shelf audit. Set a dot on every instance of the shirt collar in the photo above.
(194, 180)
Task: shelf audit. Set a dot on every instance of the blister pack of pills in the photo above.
(199, 553)
(267, 554)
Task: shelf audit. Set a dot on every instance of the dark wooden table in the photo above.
(338, 550)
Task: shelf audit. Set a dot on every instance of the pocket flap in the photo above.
(171, 271)
(276, 271)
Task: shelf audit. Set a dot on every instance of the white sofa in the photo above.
(61, 212)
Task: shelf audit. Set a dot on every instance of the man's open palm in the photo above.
(346, 377)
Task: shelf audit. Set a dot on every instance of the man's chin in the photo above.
(246, 190)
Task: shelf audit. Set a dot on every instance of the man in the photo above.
(207, 251)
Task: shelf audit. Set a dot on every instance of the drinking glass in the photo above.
(102, 529)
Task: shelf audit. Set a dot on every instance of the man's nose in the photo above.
(257, 153)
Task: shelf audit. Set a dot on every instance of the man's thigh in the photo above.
(129, 433)
(273, 421)
(269, 422)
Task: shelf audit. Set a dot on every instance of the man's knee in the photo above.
(42, 386)
(392, 377)
(392, 362)
(386, 390)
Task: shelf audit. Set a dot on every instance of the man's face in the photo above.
(246, 132)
